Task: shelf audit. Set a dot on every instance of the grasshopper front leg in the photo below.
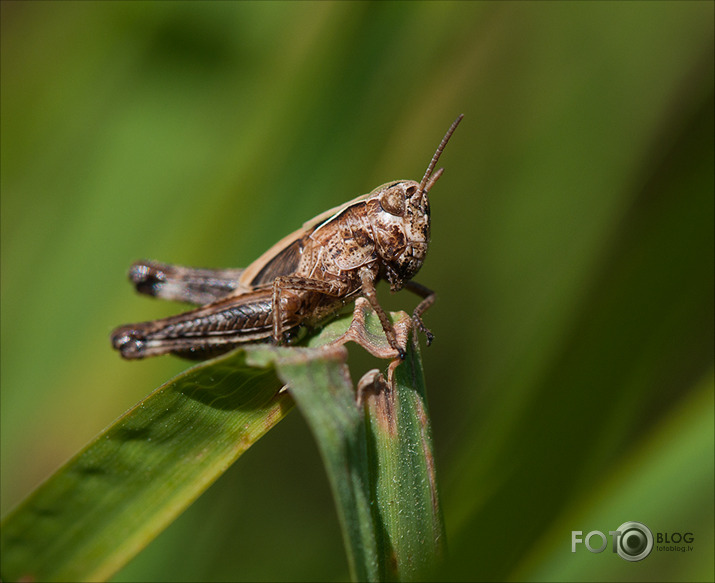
(428, 299)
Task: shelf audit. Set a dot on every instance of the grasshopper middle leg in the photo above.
(335, 288)
(367, 278)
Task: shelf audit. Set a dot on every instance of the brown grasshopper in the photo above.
(302, 280)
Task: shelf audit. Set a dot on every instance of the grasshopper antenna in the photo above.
(429, 179)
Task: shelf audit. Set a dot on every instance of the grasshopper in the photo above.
(300, 282)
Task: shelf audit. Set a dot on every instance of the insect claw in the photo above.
(420, 325)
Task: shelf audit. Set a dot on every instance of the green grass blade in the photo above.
(127, 485)
(404, 480)
(320, 384)
(379, 460)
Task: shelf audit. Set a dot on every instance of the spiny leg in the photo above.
(367, 279)
(428, 299)
(202, 332)
(298, 283)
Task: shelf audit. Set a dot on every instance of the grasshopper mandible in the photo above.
(302, 280)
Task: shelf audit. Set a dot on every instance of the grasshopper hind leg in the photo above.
(184, 284)
(133, 344)
(203, 332)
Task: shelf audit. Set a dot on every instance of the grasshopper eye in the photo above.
(393, 202)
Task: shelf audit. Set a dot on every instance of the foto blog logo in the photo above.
(632, 541)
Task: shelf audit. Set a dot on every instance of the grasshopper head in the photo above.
(399, 215)
(401, 220)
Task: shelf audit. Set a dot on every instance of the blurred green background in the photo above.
(571, 379)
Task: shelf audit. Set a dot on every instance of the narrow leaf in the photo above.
(379, 456)
(126, 486)
(320, 384)
(404, 479)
